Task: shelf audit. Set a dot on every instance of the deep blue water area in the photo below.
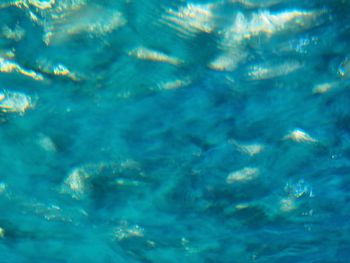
(174, 131)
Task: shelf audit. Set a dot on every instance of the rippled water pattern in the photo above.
(174, 131)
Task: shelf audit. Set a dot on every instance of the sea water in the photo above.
(174, 131)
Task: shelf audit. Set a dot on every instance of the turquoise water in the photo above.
(174, 131)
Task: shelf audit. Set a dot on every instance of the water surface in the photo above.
(174, 131)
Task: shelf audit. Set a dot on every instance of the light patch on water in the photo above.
(3, 187)
(296, 191)
(244, 175)
(187, 245)
(144, 53)
(46, 143)
(287, 204)
(251, 149)
(258, 3)
(174, 84)
(16, 33)
(268, 71)
(298, 135)
(126, 182)
(51, 7)
(126, 231)
(266, 23)
(62, 19)
(242, 206)
(129, 164)
(7, 54)
(8, 66)
(49, 212)
(75, 184)
(42, 4)
(228, 61)
(344, 68)
(59, 70)
(324, 87)
(299, 189)
(15, 102)
(248, 148)
(92, 21)
(78, 183)
(192, 18)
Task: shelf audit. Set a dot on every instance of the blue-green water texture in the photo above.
(174, 131)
